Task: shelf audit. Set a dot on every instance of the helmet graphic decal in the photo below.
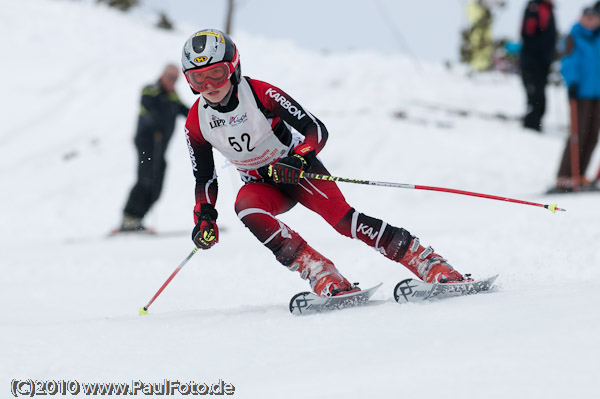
(205, 49)
(199, 43)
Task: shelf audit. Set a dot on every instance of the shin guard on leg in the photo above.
(398, 245)
(391, 241)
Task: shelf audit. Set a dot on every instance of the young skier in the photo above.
(272, 139)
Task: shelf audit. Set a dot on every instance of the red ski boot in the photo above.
(429, 266)
(324, 278)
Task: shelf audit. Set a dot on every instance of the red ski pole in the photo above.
(144, 309)
(552, 208)
(574, 145)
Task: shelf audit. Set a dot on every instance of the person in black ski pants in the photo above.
(160, 106)
(538, 33)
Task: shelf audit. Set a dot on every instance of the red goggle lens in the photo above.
(217, 75)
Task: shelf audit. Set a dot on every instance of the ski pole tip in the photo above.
(554, 207)
(142, 311)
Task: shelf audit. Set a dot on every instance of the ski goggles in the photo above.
(217, 75)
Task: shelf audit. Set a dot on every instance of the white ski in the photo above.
(306, 303)
(411, 290)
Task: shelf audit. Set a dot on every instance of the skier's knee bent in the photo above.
(263, 196)
(285, 243)
(247, 200)
(290, 249)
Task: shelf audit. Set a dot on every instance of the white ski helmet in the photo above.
(210, 56)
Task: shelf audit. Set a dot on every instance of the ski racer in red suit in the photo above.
(271, 139)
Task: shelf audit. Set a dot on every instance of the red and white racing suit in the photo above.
(258, 126)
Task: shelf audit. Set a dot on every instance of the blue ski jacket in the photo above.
(581, 65)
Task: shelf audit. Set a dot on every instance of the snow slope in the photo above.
(71, 76)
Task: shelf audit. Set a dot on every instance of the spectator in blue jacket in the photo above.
(581, 71)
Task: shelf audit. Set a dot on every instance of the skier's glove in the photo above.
(573, 91)
(206, 232)
(289, 169)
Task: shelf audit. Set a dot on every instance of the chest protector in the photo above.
(244, 135)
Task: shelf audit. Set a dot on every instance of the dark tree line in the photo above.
(164, 22)
(122, 5)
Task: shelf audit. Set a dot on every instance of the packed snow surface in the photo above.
(71, 80)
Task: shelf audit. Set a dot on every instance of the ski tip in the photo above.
(375, 288)
(493, 278)
(142, 311)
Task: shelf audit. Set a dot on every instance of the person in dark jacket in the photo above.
(539, 36)
(581, 71)
(160, 106)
